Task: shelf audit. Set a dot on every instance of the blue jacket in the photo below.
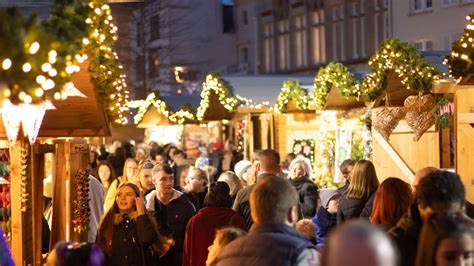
(324, 222)
(266, 244)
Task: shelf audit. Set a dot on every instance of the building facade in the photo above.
(298, 36)
(176, 42)
(431, 25)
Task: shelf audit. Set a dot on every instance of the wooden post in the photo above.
(70, 157)
(464, 122)
(21, 216)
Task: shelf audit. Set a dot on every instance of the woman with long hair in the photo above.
(105, 174)
(446, 239)
(360, 193)
(392, 200)
(130, 169)
(127, 233)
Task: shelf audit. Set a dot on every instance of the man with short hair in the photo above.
(272, 240)
(439, 191)
(268, 165)
(171, 210)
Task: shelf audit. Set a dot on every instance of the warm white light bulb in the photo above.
(26, 67)
(6, 64)
(34, 48)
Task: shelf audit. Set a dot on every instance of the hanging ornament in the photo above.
(32, 116)
(386, 120)
(420, 113)
(11, 120)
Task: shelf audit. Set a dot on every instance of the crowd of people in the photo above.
(158, 206)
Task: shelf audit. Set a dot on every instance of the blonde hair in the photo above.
(233, 181)
(305, 163)
(364, 180)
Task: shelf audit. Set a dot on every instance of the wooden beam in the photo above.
(465, 118)
(37, 167)
(394, 156)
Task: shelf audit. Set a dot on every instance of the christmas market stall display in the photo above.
(461, 67)
(254, 122)
(405, 137)
(204, 119)
(342, 122)
(58, 78)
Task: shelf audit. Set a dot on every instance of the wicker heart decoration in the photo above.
(387, 120)
(420, 115)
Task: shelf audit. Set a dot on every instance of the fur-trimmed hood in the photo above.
(118, 218)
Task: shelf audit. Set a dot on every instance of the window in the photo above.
(422, 5)
(140, 68)
(140, 36)
(318, 38)
(268, 47)
(338, 33)
(423, 45)
(283, 44)
(228, 18)
(299, 35)
(153, 63)
(245, 19)
(155, 27)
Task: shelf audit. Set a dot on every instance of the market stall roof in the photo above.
(336, 101)
(398, 91)
(75, 116)
(265, 88)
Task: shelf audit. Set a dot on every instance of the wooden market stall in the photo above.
(416, 141)
(73, 117)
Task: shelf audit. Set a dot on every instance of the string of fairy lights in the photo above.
(291, 91)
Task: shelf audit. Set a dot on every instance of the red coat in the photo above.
(201, 230)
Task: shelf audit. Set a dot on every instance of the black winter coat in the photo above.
(172, 220)
(308, 194)
(131, 241)
(405, 235)
(354, 208)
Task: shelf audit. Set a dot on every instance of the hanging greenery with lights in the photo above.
(460, 60)
(215, 83)
(292, 91)
(338, 75)
(106, 71)
(38, 59)
(185, 114)
(407, 63)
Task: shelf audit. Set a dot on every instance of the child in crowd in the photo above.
(326, 217)
(223, 237)
(307, 228)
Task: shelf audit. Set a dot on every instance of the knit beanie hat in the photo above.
(326, 194)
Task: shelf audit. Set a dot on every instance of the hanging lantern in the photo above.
(11, 120)
(30, 116)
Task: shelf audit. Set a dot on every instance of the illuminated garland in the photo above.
(405, 60)
(246, 102)
(106, 71)
(215, 83)
(38, 58)
(460, 60)
(184, 114)
(291, 91)
(338, 75)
